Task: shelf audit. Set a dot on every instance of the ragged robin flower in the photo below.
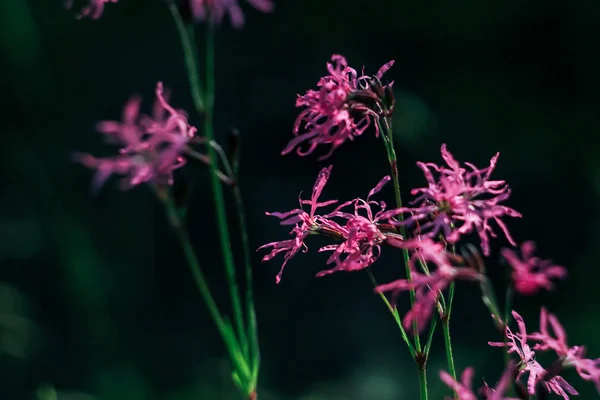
(152, 147)
(215, 10)
(343, 106)
(459, 201)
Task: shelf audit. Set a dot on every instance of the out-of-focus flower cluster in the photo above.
(152, 146)
(215, 10)
(93, 9)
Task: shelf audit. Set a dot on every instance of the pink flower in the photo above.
(462, 388)
(361, 234)
(94, 9)
(459, 201)
(503, 385)
(556, 340)
(305, 223)
(428, 285)
(517, 343)
(216, 10)
(531, 274)
(152, 146)
(337, 112)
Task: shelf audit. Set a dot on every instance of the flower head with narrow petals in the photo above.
(460, 201)
(340, 109)
(152, 146)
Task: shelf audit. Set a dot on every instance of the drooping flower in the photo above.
(428, 284)
(304, 223)
(340, 109)
(552, 336)
(517, 343)
(217, 9)
(530, 274)
(152, 146)
(94, 9)
(459, 201)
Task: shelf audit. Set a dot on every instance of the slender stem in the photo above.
(432, 327)
(251, 317)
(396, 316)
(189, 52)
(217, 190)
(423, 382)
(193, 263)
(448, 345)
(391, 154)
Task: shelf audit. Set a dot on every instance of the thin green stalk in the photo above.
(423, 382)
(251, 316)
(391, 154)
(217, 190)
(189, 53)
(396, 316)
(448, 345)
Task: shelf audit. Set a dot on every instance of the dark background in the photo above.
(95, 296)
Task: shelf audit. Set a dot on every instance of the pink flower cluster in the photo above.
(548, 379)
(463, 388)
(152, 146)
(339, 109)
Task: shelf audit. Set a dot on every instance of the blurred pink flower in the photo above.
(459, 201)
(331, 115)
(305, 223)
(556, 340)
(463, 388)
(152, 146)
(530, 274)
(429, 285)
(517, 343)
(216, 10)
(94, 9)
(502, 386)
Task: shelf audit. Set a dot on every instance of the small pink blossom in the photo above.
(217, 9)
(530, 274)
(305, 223)
(554, 338)
(429, 285)
(94, 9)
(459, 201)
(332, 116)
(517, 343)
(152, 146)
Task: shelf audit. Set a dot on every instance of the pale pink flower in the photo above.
(430, 284)
(554, 338)
(502, 386)
(217, 9)
(94, 9)
(338, 111)
(305, 223)
(152, 146)
(530, 274)
(459, 201)
(517, 343)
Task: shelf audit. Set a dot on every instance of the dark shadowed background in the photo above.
(95, 297)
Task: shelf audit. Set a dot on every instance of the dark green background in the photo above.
(95, 296)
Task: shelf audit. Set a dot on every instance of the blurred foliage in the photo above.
(95, 297)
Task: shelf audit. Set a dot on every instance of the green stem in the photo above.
(446, 330)
(189, 53)
(391, 154)
(423, 382)
(217, 189)
(252, 333)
